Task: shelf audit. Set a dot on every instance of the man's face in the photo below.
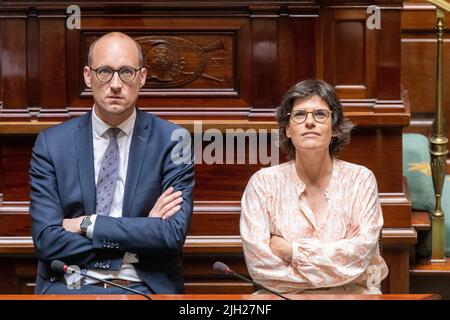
(114, 99)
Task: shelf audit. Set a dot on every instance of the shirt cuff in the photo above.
(130, 258)
(90, 229)
(299, 255)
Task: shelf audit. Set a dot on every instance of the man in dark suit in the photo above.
(111, 191)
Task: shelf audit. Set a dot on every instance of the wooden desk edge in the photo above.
(224, 297)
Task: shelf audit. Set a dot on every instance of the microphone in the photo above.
(223, 268)
(61, 267)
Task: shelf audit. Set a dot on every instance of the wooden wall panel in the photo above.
(218, 218)
(350, 51)
(15, 224)
(2, 34)
(51, 84)
(388, 57)
(395, 258)
(32, 56)
(265, 62)
(14, 64)
(15, 161)
(190, 62)
(419, 58)
(224, 179)
(297, 44)
(74, 68)
(215, 54)
(219, 186)
(381, 154)
(349, 62)
(237, 81)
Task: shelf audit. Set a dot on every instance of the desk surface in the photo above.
(226, 297)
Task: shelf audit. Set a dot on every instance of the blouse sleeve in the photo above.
(339, 262)
(263, 265)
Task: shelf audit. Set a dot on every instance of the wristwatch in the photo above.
(85, 223)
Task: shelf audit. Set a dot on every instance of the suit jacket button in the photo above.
(108, 266)
(52, 279)
(96, 265)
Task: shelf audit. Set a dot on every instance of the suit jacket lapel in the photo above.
(138, 146)
(85, 154)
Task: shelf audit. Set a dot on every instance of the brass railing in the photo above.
(438, 143)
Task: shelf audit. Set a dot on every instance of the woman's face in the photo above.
(310, 135)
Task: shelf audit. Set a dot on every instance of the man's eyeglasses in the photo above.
(319, 115)
(105, 74)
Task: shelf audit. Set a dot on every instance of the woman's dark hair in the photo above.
(341, 126)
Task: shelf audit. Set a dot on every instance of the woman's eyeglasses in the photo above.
(319, 115)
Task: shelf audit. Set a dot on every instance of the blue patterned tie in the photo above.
(107, 177)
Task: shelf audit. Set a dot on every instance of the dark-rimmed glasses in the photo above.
(319, 115)
(105, 73)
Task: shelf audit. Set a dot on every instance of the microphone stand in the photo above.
(260, 286)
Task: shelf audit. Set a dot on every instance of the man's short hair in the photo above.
(138, 47)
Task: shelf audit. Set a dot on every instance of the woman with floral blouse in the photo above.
(313, 224)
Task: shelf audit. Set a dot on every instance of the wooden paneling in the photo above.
(380, 150)
(439, 285)
(397, 260)
(349, 62)
(237, 62)
(350, 53)
(73, 67)
(15, 224)
(302, 44)
(15, 161)
(225, 179)
(195, 61)
(1, 59)
(51, 84)
(388, 56)
(14, 64)
(206, 62)
(209, 219)
(425, 268)
(431, 277)
(419, 76)
(230, 175)
(421, 220)
(32, 56)
(264, 57)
